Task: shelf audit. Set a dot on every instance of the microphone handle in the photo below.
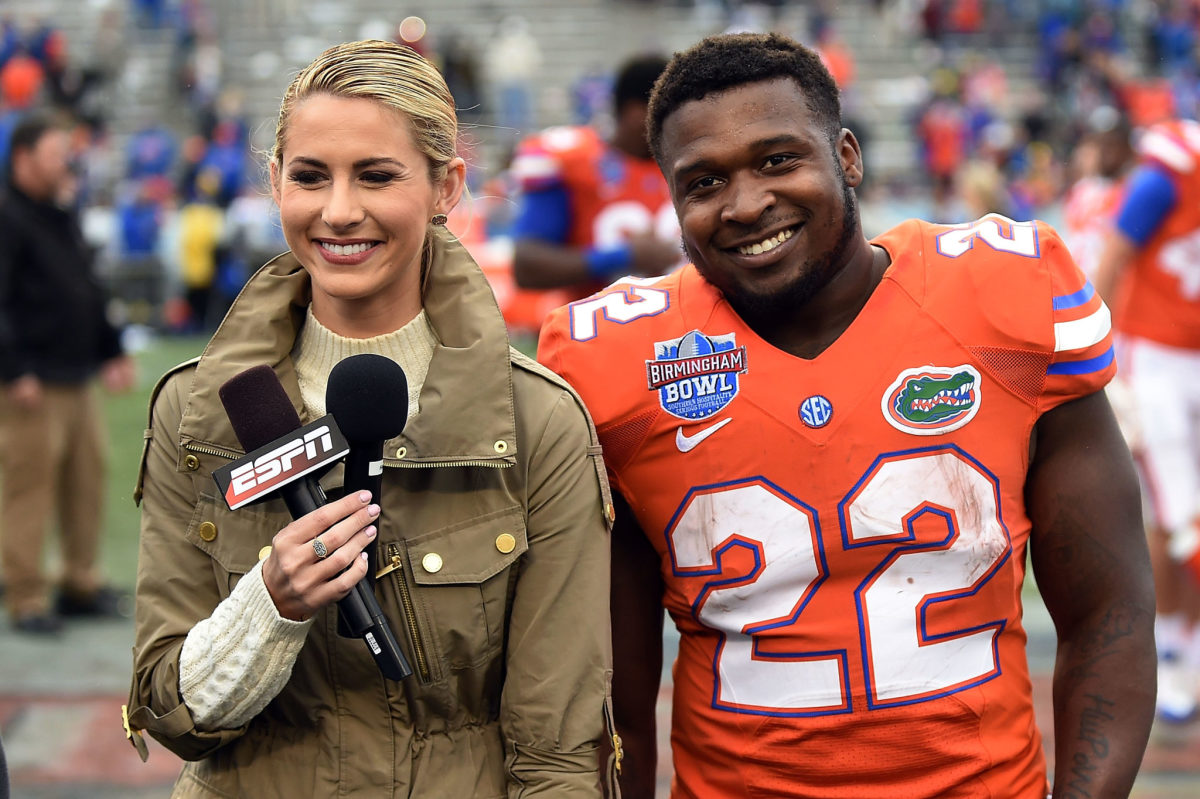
(360, 463)
(364, 469)
(360, 615)
(378, 635)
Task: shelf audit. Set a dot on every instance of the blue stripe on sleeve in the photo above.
(1150, 197)
(1084, 367)
(544, 214)
(1067, 301)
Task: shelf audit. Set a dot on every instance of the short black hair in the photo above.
(29, 130)
(635, 79)
(728, 60)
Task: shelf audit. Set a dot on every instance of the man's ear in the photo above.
(850, 155)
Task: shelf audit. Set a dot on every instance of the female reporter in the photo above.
(492, 541)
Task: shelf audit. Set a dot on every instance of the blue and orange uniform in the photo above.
(843, 539)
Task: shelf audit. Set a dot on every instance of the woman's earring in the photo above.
(438, 219)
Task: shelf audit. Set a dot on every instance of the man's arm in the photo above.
(542, 258)
(1148, 201)
(542, 264)
(1090, 559)
(637, 630)
(12, 362)
(1116, 254)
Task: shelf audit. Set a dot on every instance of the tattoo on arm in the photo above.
(1093, 745)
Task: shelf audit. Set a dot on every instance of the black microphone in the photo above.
(368, 397)
(370, 392)
(282, 458)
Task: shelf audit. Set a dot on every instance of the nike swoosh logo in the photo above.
(688, 443)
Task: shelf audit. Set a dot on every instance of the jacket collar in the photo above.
(466, 402)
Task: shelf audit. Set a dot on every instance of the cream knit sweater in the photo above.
(238, 659)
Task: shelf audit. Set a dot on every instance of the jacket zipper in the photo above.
(396, 564)
(207, 450)
(435, 464)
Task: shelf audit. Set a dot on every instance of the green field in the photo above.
(127, 418)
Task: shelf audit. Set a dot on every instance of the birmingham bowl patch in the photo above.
(696, 375)
(929, 400)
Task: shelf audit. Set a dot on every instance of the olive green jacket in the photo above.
(509, 643)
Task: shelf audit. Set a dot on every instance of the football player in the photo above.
(1150, 270)
(835, 454)
(590, 209)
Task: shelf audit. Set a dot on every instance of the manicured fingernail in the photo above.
(364, 496)
(370, 531)
(373, 510)
(362, 555)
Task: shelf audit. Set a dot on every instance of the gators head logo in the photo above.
(932, 399)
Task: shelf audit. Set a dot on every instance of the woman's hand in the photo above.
(299, 580)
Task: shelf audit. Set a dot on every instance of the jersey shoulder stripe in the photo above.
(1174, 144)
(1011, 292)
(555, 156)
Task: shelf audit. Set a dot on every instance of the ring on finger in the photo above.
(319, 547)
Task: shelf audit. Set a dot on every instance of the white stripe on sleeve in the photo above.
(1083, 333)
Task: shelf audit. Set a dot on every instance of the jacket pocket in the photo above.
(460, 588)
(233, 539)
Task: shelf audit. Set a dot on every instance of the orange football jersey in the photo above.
(843, 539)
(613, 196)
(1159, 296)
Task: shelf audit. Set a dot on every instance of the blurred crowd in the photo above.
(180, 215)
(175, 209)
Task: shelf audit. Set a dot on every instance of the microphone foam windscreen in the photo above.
(258, 407)
(368, 397)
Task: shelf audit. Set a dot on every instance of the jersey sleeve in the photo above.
(1013, 295)
(544, 214)
(546, 160)
(1082, 358)
(537, 166)
(600, 346)
(1150, 198)
(560, 353)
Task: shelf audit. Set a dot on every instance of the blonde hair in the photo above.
(390, 74)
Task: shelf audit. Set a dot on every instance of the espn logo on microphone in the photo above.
(315, 446)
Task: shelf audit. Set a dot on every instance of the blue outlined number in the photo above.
(933, 516)
(998, 232)
(622, 305)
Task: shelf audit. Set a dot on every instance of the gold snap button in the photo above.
(506, 543)
(500, 447)
(192, 463)
(400, 453)
(264, 552)
(610, 513)
(432, 563)
(207, 531)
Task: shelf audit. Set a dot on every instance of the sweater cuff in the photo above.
(238, 659)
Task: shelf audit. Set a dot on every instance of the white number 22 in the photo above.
(902, 661)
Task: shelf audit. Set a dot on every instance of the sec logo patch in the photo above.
(816, 411)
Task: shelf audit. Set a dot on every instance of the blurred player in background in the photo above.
(1100, 162)
(1150, 272)
(834, 455)
(592, 210)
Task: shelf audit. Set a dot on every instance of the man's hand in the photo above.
(652, 256)
(118, 374)
(25, 392)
